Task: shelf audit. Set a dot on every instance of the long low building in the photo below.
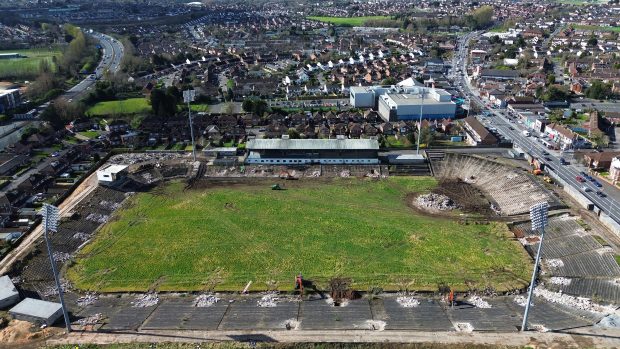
(312, 151)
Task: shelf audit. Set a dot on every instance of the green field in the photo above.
(597, 28)
(27, 68)
(348, 21)
(171, 239)
(122, 107)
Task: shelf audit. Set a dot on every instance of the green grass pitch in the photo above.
(222, 237)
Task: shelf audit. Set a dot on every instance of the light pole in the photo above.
(420, 124)
(51, 215)
(188, 96)
(538, 216)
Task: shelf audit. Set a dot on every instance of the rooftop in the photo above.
(36, 308)
(410, 99)
(7, 289)
(304, 144)
(113, 168)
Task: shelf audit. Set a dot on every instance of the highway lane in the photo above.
(503, 124)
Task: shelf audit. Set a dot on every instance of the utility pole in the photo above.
(538, 216)
(420, 124)
(51, 214)
(188, 96)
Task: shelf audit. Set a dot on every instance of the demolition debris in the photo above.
(87, 299)
(205, 300)
(436, 202)
(478, 302)
(269, 300)
(407, 302)
(145, 300)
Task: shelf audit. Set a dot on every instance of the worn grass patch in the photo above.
(122, 107)
(27, 68)
(226, 236)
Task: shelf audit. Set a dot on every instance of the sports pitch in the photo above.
(30, 67)
(223, 237)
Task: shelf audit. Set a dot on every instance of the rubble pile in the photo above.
(291, 324)
(109, 205)
(52, 290)
(82, 236)
(134, 158)
(269, 300)
(478, 302)
(558, 280)
(61, 256)
(554, 263)
(91, 320)
(16, 279)
(407, 302)
(464, 327)
(145, 300)
(343, 302)
(436, 202)
(375, 325)
(529, 240)
(345, 174)
(573, 302)
(87, 299)
(540, 328)
(522, 301)
(97, 218)
(315, 174)
(205, 300)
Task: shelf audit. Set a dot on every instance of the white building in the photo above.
(396, 103)
(111, 173)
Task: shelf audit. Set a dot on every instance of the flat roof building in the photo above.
(396, 103)
(8, 292)
(111, 173)
(312, 151)
(37, 311)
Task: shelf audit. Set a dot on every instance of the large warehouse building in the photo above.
(396, 103)
(312, 151)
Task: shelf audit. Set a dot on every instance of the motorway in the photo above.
(111, 61)
(512, 130)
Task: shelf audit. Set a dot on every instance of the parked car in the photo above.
(563, 162)
(586, 189)
(597, 184)
(600, 194)
(580, 179)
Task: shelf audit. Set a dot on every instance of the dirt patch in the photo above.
(469, 198)
(22, 332)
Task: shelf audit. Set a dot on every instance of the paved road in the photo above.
(111, 61)
(506, 127)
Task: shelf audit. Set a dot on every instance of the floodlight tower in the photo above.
(538, 216)
(420, 123)
(188, 97)
(51, 214)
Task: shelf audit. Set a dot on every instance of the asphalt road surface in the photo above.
(500, 120)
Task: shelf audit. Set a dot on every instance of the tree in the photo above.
(164, 103)
(550, 79)
(292, 133)
(598, 90)
(555, 93)
(480, 18)
(592, 41)
(426, 136)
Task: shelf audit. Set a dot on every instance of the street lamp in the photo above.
(188, 97)
(538, 216)
(51, 215)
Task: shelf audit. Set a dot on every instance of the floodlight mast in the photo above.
(50, 223)
(538, 216)
(420, 124)
(188, 96)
